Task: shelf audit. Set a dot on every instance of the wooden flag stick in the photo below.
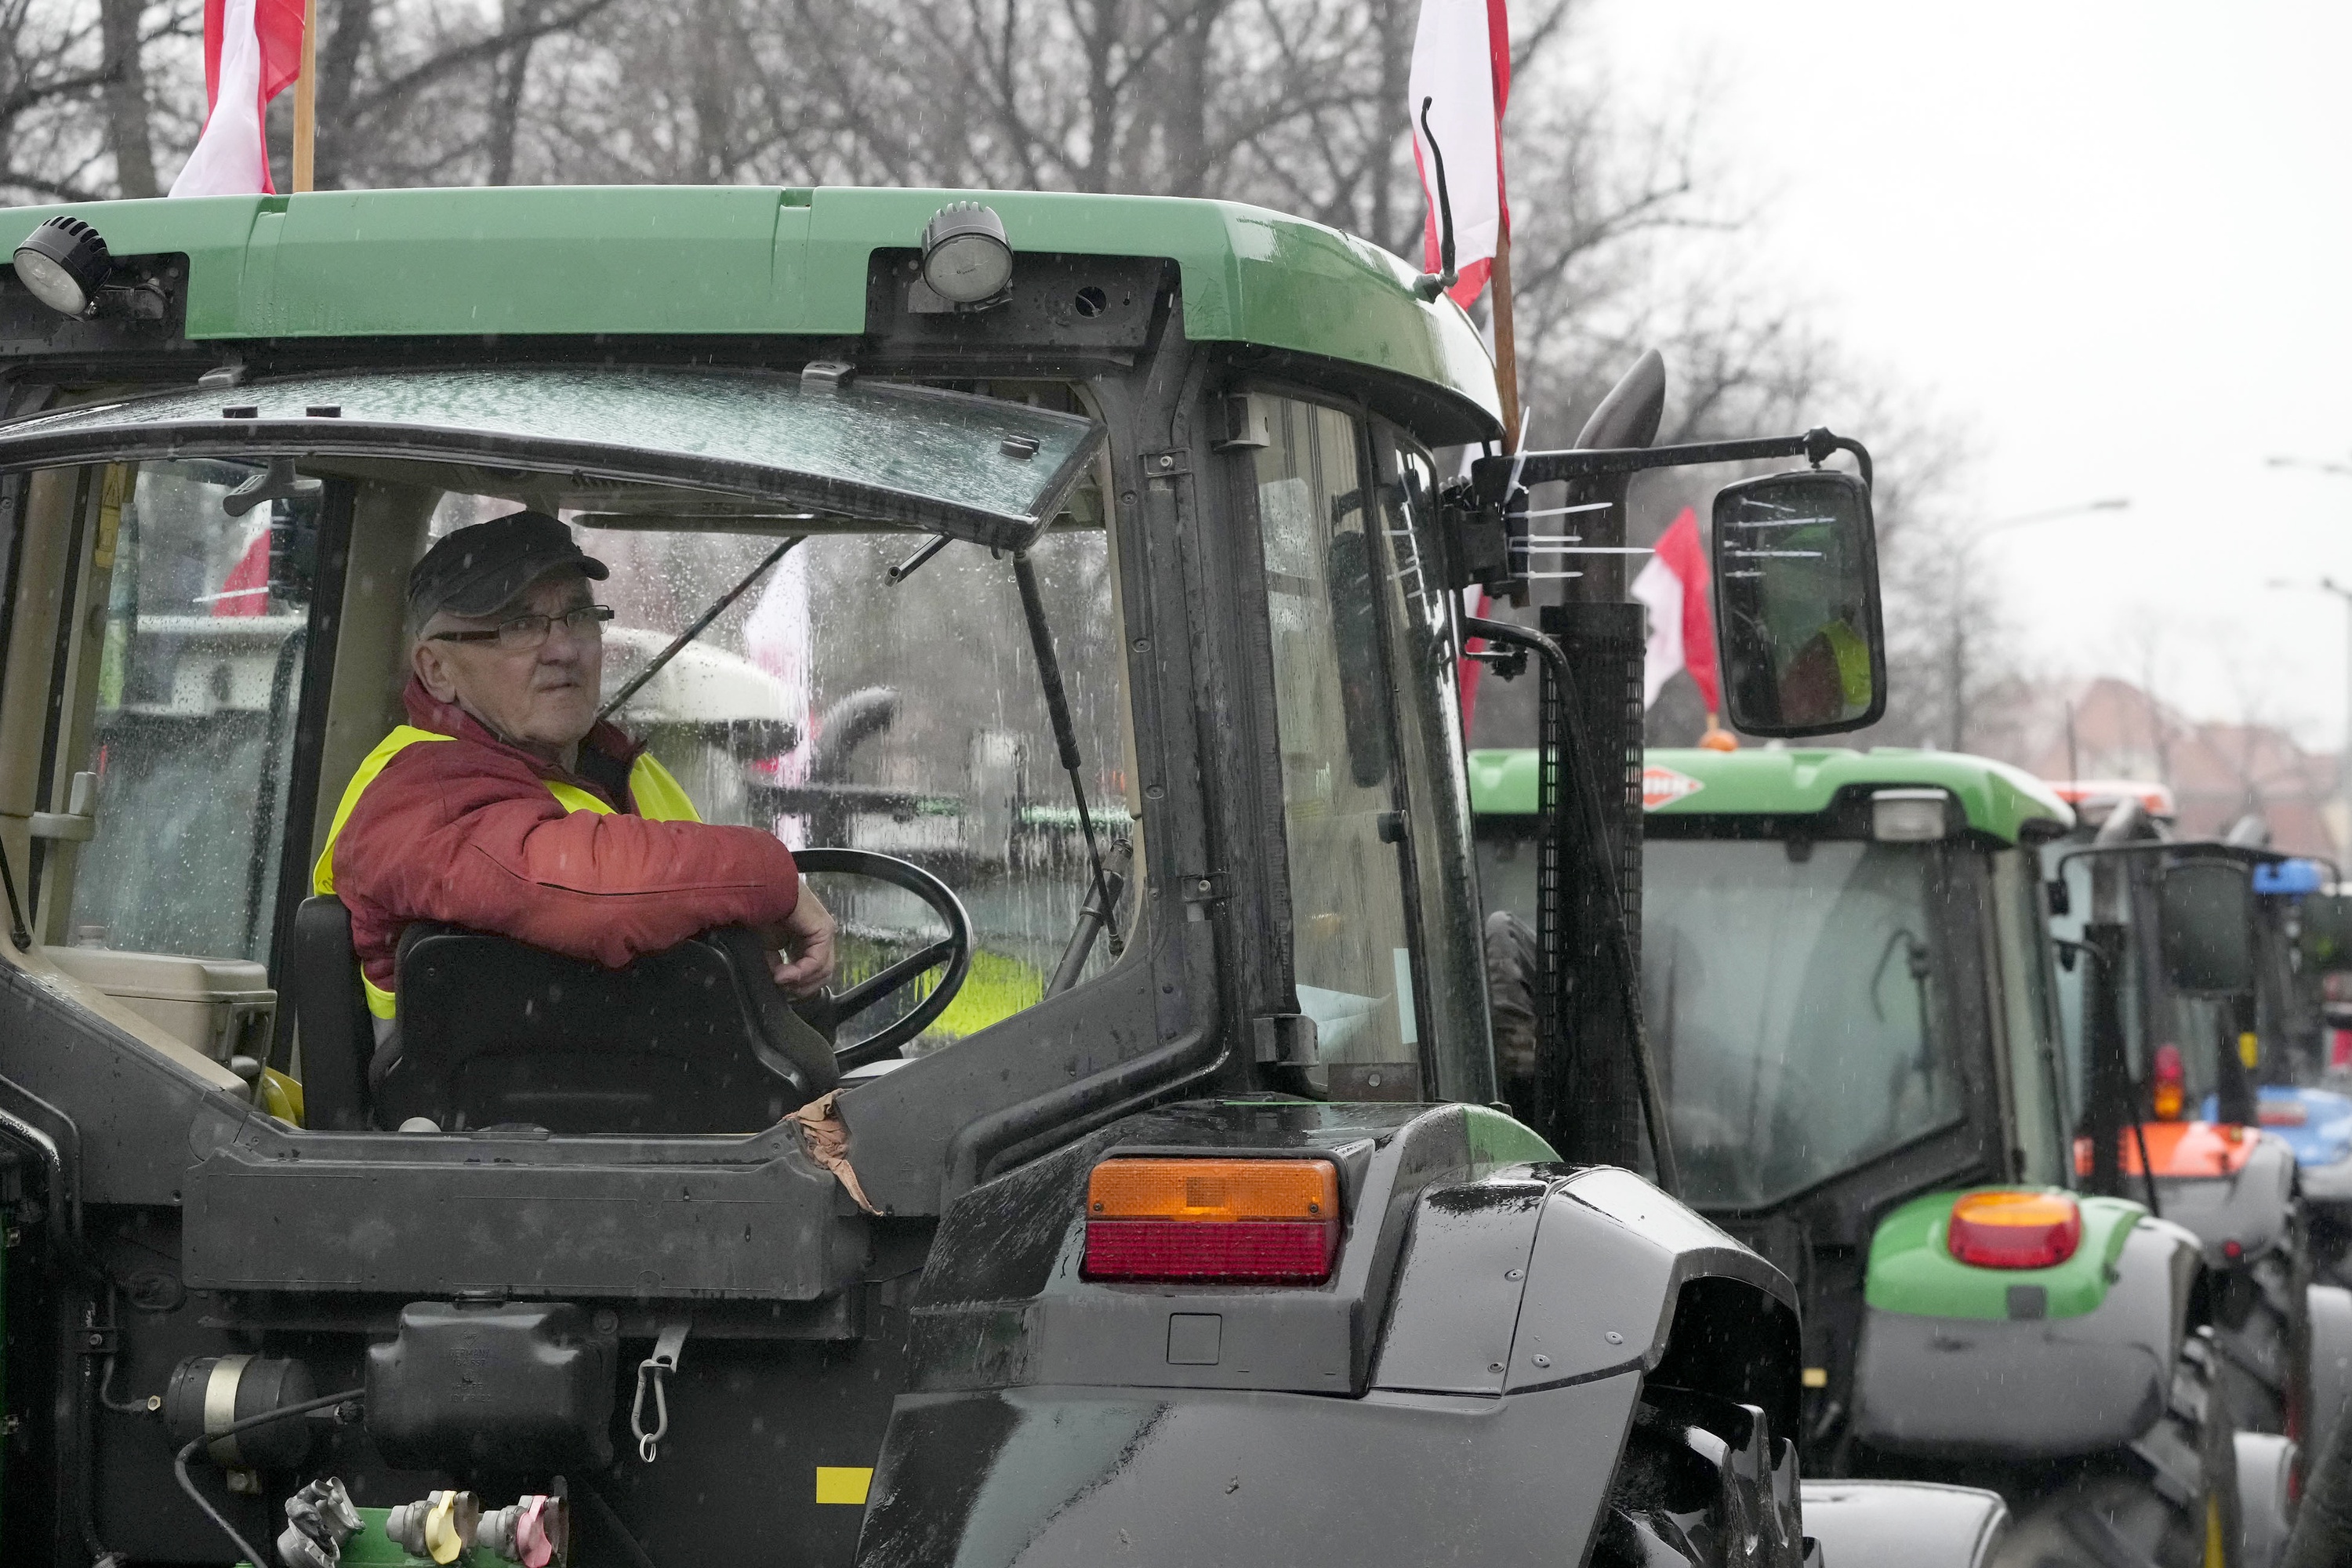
(306, 98)
(1507, 349)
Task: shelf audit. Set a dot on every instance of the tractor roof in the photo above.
(1998, 799)
(644, 260)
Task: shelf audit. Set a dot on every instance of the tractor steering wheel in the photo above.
(827, 1011)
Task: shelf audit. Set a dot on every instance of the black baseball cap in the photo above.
(478, 569)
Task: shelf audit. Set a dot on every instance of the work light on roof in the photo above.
(967, 260)
(63, 262)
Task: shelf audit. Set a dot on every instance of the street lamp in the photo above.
(2314, 465)
(1957, 672)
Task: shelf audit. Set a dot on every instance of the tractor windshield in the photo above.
(1799, 1009)
(252, 654)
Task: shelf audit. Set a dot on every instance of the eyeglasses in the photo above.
(527, 634)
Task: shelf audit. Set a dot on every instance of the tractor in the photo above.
(1852, 994)
(1074, 583)
(2201, 1050)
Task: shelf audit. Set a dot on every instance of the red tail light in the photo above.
(2171, 1084)
(2015, 1230)
(1267, 1222)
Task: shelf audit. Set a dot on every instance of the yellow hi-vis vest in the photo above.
(658, 795)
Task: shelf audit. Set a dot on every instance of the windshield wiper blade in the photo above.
(702, 623)
(1065, 734)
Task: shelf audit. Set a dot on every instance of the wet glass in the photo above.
(988, 469)
(1423, 652)
(207, 617)
(2027, 997)
(1352, 947)
(1795, 1005)
(835, 707)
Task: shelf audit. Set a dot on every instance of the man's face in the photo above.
(545, 697)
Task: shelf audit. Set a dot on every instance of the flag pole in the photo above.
(306, 98)
(1506, 348)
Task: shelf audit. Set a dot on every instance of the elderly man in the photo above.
(505, 805)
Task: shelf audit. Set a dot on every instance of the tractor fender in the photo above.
(2252, 1209)
(1516, 1320)
(2266, 1462)
(1919, 1524)
(2330, 1311)
(2330, 1184)
(2031, 1388)
(1540, 1278)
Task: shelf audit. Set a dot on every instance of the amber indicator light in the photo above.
(2015, 1230)
(2169, 1092)
(1243, 1221)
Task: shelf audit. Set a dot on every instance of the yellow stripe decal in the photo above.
(844, 1483)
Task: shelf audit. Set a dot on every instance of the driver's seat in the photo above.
(695, 1040)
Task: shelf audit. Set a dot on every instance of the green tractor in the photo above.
(1851, 989)
(2203, 1051)
(1073, 581)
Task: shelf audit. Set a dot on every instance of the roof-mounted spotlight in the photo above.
(967, 260)
(65, 263)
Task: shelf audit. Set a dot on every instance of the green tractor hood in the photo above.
(2006, 803)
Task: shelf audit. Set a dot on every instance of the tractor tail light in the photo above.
(2015, 1230)
(2171, 1084)
(1263, 1221)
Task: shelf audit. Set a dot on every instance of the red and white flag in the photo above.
(1682, 627)
(253, 52)
(1462, 64)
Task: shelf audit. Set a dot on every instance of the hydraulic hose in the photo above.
(188, 1483)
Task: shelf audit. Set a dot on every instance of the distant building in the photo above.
(2217, 771)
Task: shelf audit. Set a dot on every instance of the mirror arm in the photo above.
(1493, 474)
(1579, 772)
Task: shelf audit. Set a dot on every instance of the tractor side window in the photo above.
(2030, 1013)
(1429, 715)
(1326, 568)
(192, 704)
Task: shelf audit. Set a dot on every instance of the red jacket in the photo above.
(470, 830)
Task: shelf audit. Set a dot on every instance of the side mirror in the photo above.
(2327, 933)
(1797, 613)
(2205, 915)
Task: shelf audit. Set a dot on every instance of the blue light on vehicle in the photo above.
(2290, 877)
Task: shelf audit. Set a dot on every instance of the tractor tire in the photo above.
(1701, 1483)
(2168, 1501)
(2254, 1330)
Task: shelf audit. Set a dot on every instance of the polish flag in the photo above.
(253, 52)
(1682, 627)
(1462, 64)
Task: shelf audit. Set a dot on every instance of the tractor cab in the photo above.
(1852, 994)
(1073, 584)
(2200, 1054)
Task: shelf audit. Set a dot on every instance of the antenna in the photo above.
(1430, 285)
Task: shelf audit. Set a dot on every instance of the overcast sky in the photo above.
(2115, 239)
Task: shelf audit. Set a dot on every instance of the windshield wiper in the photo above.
(1065, 734)
(717, 608)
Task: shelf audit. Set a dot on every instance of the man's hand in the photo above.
(805, 939)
